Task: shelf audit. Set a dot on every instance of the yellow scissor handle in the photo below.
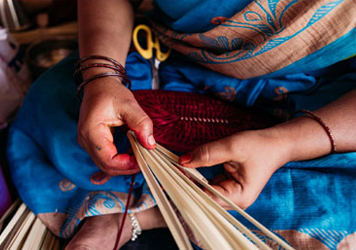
(147, 53)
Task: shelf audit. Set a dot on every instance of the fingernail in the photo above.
(151, 140)
(184, 159)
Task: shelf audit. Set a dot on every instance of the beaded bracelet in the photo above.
(136, 228)
(325, 127)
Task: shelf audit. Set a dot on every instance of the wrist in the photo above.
(90, 72)
(281, 145)
(106, 85)
(91, 68)
(304, 139)
(150, 219)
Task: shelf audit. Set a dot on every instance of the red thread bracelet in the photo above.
(325, 127)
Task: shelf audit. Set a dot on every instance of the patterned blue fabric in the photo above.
(191, 16)
(43, 150)
(284, 94)
(198, 16)
(315, 198)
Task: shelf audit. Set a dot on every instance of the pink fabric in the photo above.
(5, 200)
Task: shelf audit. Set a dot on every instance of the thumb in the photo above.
(139, 122)
(208, 154)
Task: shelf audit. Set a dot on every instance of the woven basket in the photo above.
(182, 121)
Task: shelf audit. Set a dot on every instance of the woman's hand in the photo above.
(250, 158)
(105, 29)
(108, 104)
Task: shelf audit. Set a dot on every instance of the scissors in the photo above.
(151, 43)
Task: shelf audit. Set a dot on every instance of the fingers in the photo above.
(99, 144)
(235, 192)
(103, 108)
(208, 154)
(139, 122)
(239, 185)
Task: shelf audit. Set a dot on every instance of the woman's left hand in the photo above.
(249, 157)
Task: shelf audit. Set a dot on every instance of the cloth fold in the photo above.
(266, 37)
(271, 54)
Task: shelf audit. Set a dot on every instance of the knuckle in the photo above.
(204, 153)
(232, 144)
(231, 147)
(136, 116)
(129, 101)
(145, 122)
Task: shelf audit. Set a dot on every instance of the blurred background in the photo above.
(45, 30)
(34, 35)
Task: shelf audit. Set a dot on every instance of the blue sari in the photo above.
(310, 204)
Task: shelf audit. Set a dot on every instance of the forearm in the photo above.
(307, 139)
(105, 28)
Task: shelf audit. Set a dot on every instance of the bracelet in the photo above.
(136, 228)
(81, 85)
(79, 79)
(113, 61)
(325, 127)
(78, 72)
(118, 69)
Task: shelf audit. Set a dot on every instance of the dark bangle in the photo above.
(325, 127)
(78, 72)
(113, 61)
(118, 70)
(85, 82)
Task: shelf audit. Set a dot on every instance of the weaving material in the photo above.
(182, 121)
(59, 182)
(24, 231)
(213, 226)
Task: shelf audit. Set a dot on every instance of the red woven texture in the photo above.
(182, 121)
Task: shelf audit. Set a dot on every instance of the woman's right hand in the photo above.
(105, 28)
(108, 104)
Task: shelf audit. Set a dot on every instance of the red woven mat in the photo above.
(182, 120)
